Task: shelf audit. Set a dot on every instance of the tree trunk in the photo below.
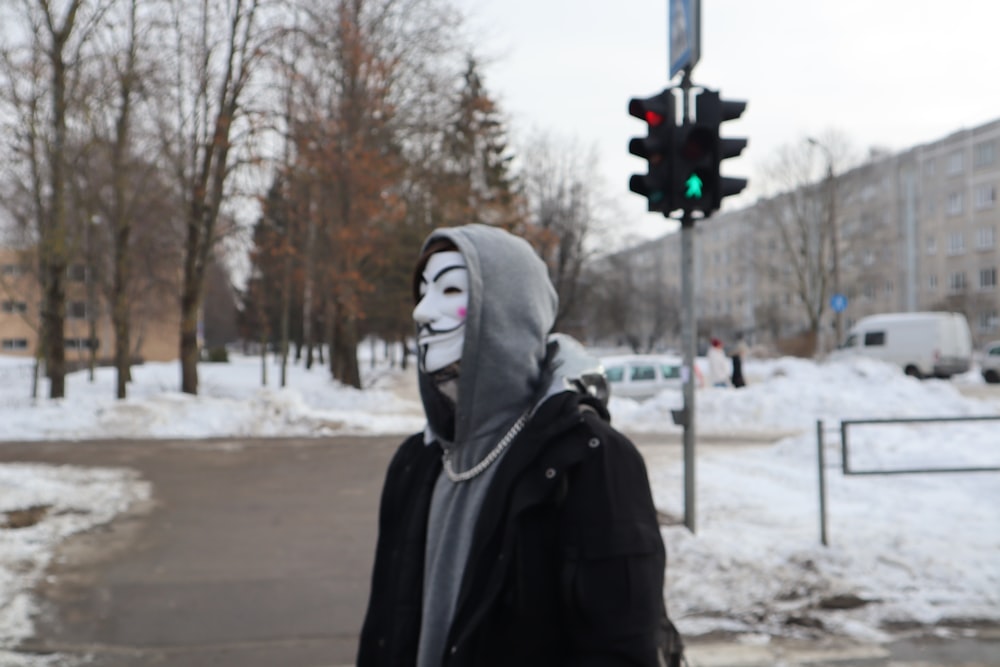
(120, 311)
(344, 353)
(286, 311)
(55, 321)
(190, 304)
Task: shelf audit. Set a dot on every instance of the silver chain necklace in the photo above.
(488, 459)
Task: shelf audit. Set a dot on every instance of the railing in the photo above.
(848, 470)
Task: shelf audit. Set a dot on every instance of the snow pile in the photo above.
(40, 506)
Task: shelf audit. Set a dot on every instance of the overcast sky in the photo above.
(887, 73)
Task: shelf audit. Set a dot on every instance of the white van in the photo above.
(930, 344)
(642, 376)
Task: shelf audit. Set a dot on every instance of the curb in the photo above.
(732, 654)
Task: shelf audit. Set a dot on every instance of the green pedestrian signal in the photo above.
(692, 187)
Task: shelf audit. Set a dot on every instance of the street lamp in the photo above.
(834, 231)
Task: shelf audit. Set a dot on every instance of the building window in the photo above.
(77, 273)
(14, 344)
(889, 287)
(988, 320)
(82, 343)
(931, 244)
(932, 281)
(986, 238)
(76, 310)
(869, 258)
(985, 197)
(955, 164)
(956, 243)
(984, 154)
(869, 292)
(11, 270)
(957, 282)
(10, 306)
(988, 278)
(955, 203)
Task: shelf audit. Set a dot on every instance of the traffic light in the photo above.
(657, 148)
(695, 166)
(710, 112)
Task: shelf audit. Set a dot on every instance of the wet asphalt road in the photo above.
(254, 553)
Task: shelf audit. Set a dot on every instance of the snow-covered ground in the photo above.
(909, 549)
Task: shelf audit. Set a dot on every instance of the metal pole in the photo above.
(845, 465)
(688, 328)
(822, 482)
(835, 233)
(831, 189)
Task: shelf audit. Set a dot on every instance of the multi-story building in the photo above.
(155, 319)
(917, 230)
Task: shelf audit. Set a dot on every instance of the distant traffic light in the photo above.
(657, 148)
(711, 112)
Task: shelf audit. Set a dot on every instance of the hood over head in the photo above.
(512, 307)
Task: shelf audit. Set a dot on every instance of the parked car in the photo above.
(927, 344)
(990, 363)
(642, 376)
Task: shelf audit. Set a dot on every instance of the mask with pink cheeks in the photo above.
(440, 314)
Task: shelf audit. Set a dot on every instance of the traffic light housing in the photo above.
(657, 148)
(710, 112)
(695, 164)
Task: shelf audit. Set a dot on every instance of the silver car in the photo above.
(642, 376)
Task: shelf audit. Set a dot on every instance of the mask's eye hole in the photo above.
(452, 290)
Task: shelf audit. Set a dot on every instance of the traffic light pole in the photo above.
(688, 331)
(683, 172)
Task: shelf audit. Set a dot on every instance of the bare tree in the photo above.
(217, 48)
(566, 211)
(121, 74)
(42, 65)
(799, 222)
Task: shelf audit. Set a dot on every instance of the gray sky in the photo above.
(887, 73)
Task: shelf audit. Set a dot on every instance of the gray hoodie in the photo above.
(512, 307)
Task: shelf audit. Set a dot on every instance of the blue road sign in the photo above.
(684, 36)
(838, 302)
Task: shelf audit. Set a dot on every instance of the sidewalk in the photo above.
(982, 650)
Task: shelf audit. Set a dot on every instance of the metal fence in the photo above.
(845, 458)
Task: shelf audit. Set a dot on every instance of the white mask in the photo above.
(440, 313)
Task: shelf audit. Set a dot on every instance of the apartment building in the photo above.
(917, 230)
(155, 316)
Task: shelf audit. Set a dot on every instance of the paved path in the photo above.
(255, 555)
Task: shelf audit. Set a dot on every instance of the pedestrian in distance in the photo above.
(718, 365)
(740, 351)
(518, 528)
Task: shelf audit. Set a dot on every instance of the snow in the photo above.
(911, 550)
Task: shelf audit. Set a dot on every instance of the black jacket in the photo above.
(567, 562)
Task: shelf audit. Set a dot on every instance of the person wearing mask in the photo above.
(518, 528)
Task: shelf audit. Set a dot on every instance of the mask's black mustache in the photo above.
(428, 330)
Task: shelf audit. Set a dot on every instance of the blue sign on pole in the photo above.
(838, 302)
(684, 24)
